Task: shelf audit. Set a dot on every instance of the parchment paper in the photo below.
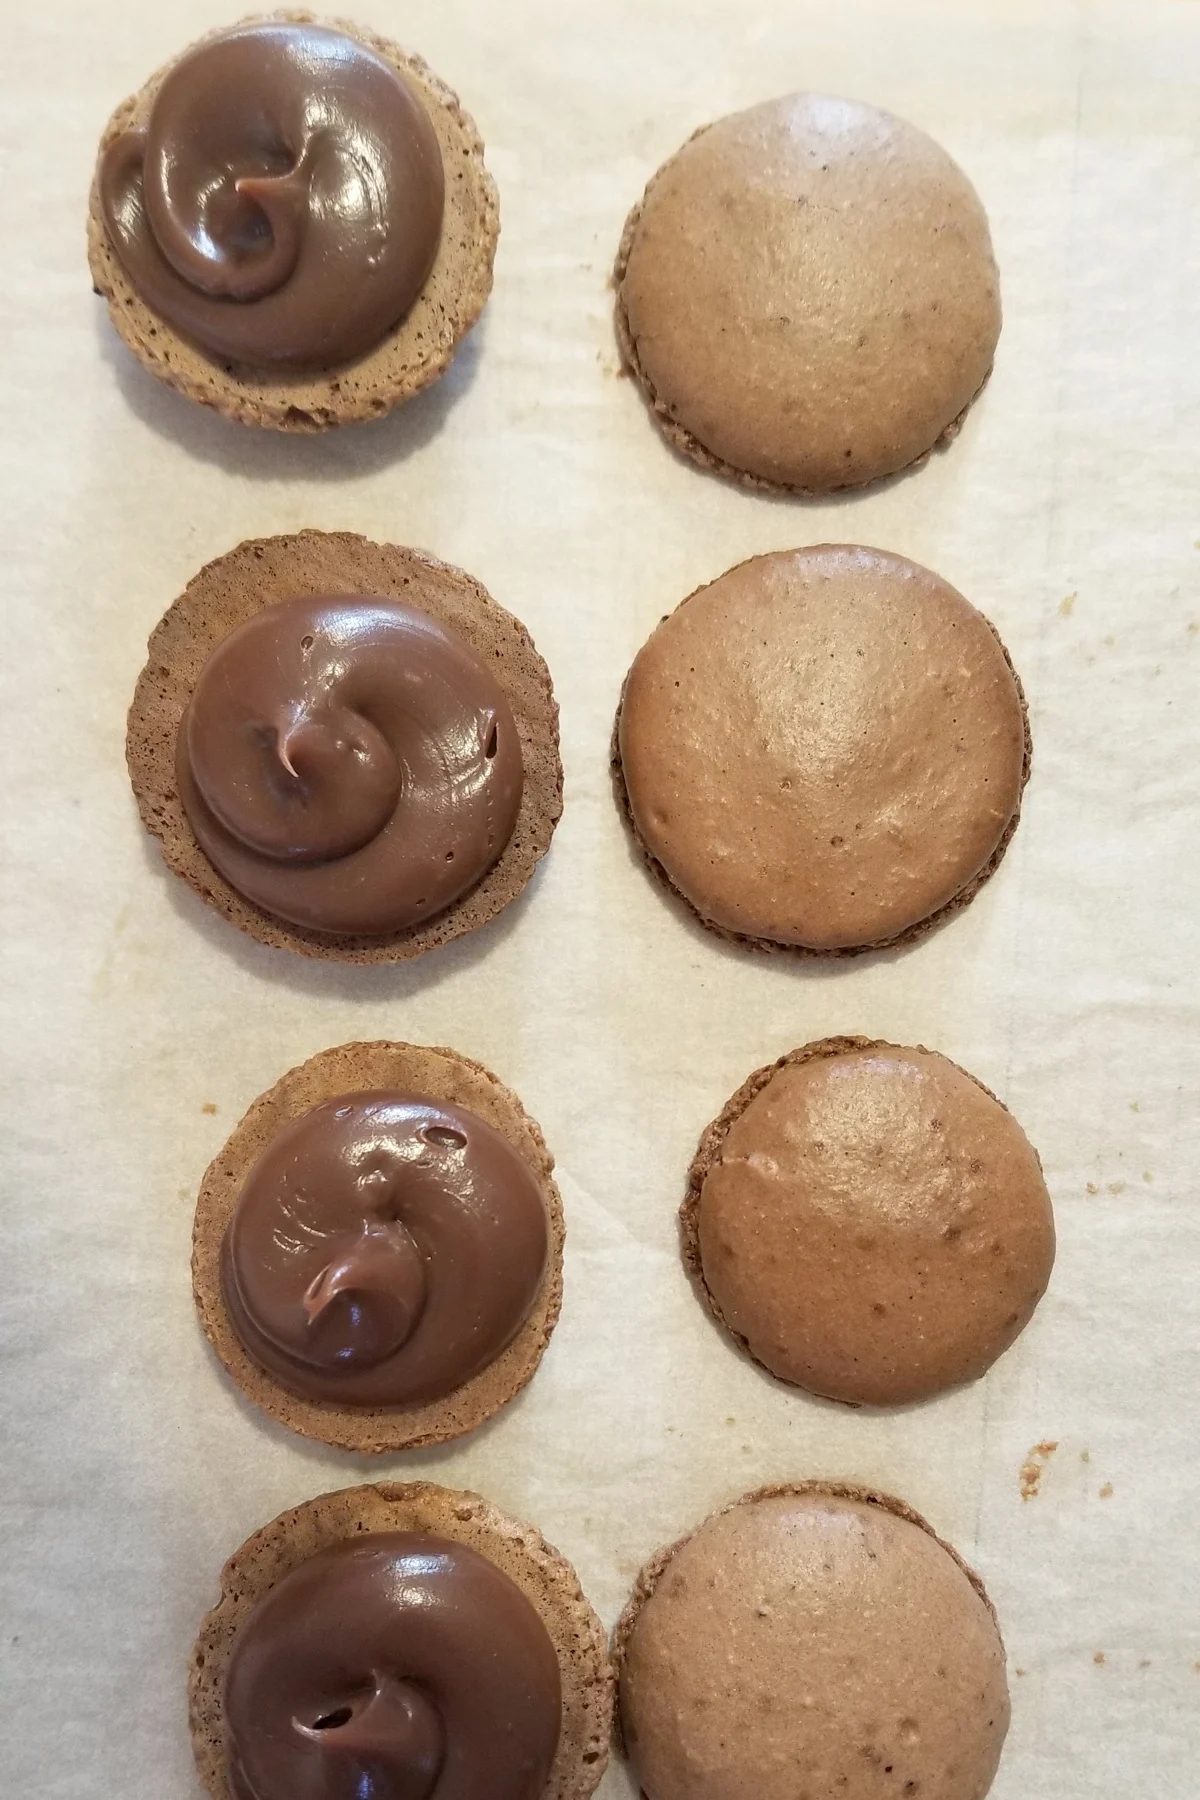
(136, 1027)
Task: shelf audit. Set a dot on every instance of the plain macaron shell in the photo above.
(807, 294)
(869, 1222)
(824, 748)
(812, 1642)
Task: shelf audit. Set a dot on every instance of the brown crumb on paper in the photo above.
(1066, 606)
(209, 1106)
(1106, 1491)
(1034, 1466)
(1092, 1188)
(1099, 1657)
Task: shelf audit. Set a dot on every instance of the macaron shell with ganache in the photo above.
(411, 355)
(233, 589)
(543, 1575)
(439, 1075)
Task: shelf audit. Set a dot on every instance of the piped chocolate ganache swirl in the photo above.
(348, 764)
(396, 1666)
(385, 1248)
(283, 201)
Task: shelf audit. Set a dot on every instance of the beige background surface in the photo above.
(1067, 511)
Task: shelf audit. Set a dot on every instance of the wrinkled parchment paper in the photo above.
(135, 1027)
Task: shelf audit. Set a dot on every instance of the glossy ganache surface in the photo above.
(348, 764)
(384, 1249)
(282, 202)
(396, 1666)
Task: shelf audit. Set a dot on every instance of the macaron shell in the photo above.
(415, 353)
(235, 587)
(544, 1576)
(442, 1075)
(869, 1222)
(807, 294)
(824, 748)
(811, 1641)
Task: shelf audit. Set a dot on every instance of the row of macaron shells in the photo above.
(346, 617)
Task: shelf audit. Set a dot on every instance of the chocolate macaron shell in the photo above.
(868, 1222)
(542, 1575)
(812, 1637)
(439, 1075)
(410, 356)
(807, 295)
(823, 751)
(234, 589)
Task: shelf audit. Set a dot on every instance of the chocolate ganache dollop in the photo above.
(349, 764)
(283, 201)
(396, 1666)
(384, 1249)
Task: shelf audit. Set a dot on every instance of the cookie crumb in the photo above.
(1106, 1491)
(1033, 1468)
(1066, 606)
(208, 1106)
(1099, 1658)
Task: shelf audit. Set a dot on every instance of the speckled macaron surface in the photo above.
(439, 1075)
(815, 1641)
(544, 1576)
(869, 1222)
(412, 354)
(807, 294)
(824, 749)
(232, 590)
